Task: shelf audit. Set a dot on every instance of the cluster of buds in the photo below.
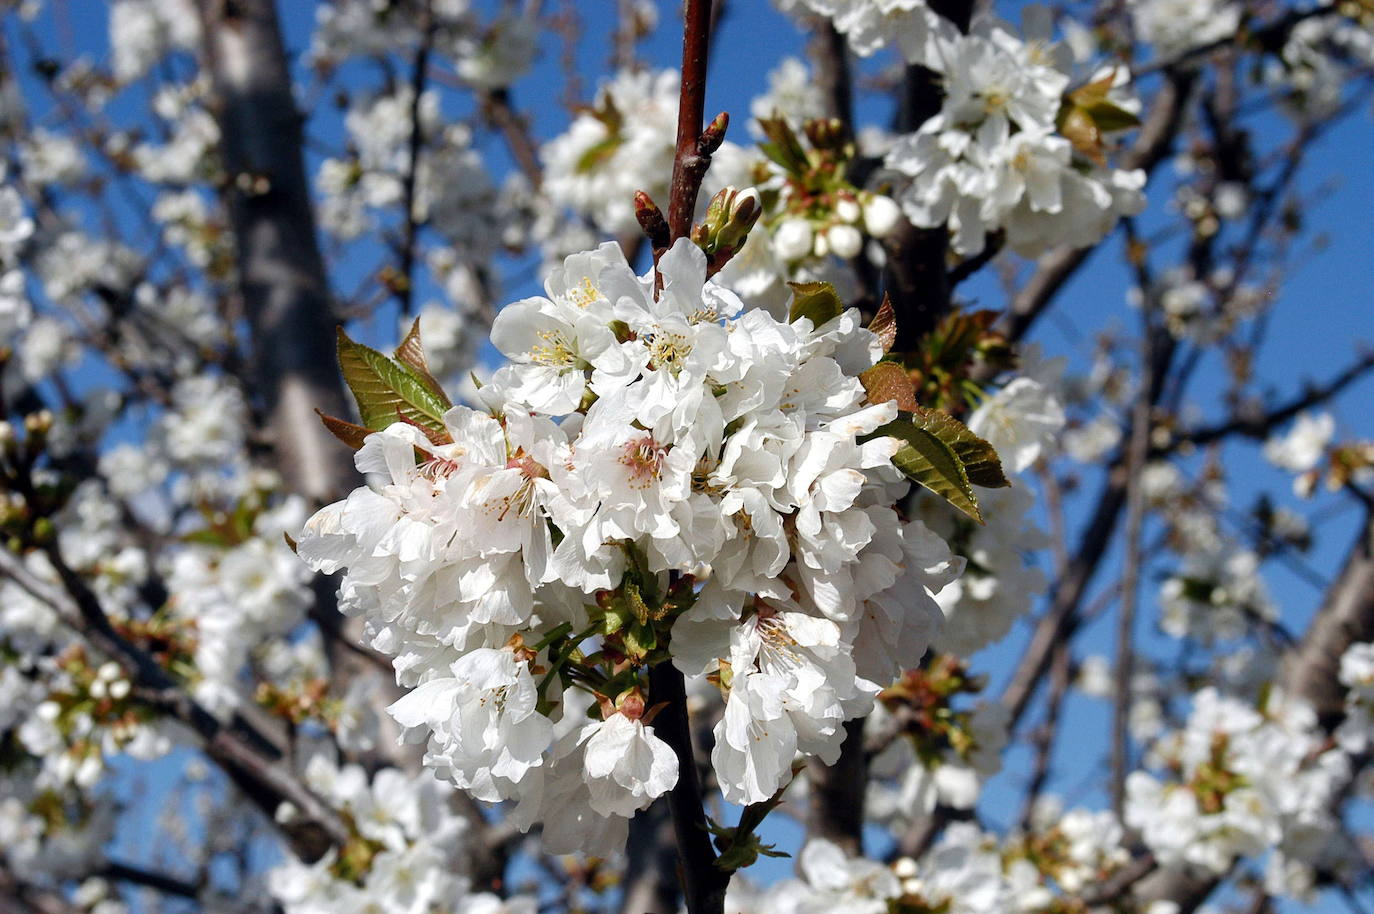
(922, 701)
(816, 210)
(90, 714)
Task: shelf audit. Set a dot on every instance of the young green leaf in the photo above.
(981, 463)
(388, 391)
(928, 461)
(412, 352)
(815, 300)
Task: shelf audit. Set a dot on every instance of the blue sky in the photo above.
(1322, 313)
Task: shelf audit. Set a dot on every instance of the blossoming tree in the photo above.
(769, 524)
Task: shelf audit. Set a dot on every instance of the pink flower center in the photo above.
(644, 458)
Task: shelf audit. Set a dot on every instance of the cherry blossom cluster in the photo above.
(870, 25)
(404, 855)
(966, 872)
(1240, 782)
(996, 156)
(671, 479)
(623, 143)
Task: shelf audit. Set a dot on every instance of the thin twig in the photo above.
(405, 283)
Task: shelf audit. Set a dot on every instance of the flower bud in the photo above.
(792, 240)
(847, 210)
(845, 241)
(881, 216)
(729, 217)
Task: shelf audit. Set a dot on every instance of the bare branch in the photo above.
(689, 163)
(405, 282)
(1260, 426)
(703, 883)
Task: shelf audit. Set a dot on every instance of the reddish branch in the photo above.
(693, 156)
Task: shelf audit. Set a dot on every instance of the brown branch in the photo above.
(835, 810)
(1062, 619)
(703, 883)
(404, 286)
(829, 53)
(650, 881)
(1061, 675)
(1138, 450)
(148, 879)
(916, 277)
(1120, 882)
(500, 112)
(1260, 426)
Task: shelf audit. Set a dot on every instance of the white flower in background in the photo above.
(415, 859)
(991, 159)
(143, 31)
(870, 25)
(1021, 421)
(1303, 447)
(51, 158)
(1174, 27)
(1218, 594)
(1356, 733)
(496, 55)
(791, 93)
(624, 143)
(1240, 782)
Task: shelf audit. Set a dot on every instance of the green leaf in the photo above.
(639, 640)
(981, 463)
(1110, 117)
(388, 391)
(940, 453)
(815, 300)
(928, 461)
(597, 154)
(782, 146)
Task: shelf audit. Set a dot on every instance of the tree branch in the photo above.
(405, 282)
(703, 883)
(1260, 426)
(690, 163)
